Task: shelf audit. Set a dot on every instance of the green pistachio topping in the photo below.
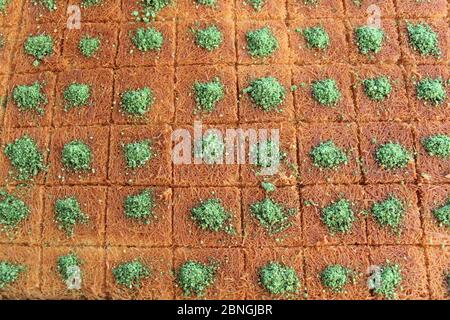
(206, 3)
(194, 277)
(389, 212)
(88, 46)
(385, 280)
(137, 154)
(9, 272)
(150, 8)
(316, 38)
(49, 5)
(30, 97)
(278, 279)
(442, 214)
(266, 154)
(261, 42)
(377, 89)
(325, 92)
(437, 145)
(209, 38)
(338, 216)
(66, 265)
(208, 94)
(76, 156)
(326, 155)
(266, 93)
(369, 40)
(25, 157)
(137, 102)
(431, 90)
(3, 5)
(76, 95)
(211, 148)
(68, 214)
(390, 156)
(257, 5)
(147, 39)
(90, 3)
(139, 207)
(12, 211)
(271, 215)
(423, 39)
(130, 274)
(212, 216)
(38, 46)
(335, 277)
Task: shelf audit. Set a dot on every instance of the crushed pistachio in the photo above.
(9, 272)
(150, 8)
(386, 280)
(137, 154)
(335, 277)
(68, 214)
(147, 39)
(88, 46)
(3, 5)
(369, 39)
(442, 214)
(66, 264)
(90, 3)
(261, 42)
(437, 145)
(130, 274)
(257, 5)
(12, 211)
(208, 94)
(389, 212)
(49, 5)
(137, 102)
(209, 38)
(278, 279)
(266, 154)
(266, 93)
(431, 90)
(39, 47)
(30, 97)
(25, 157)
(326, 155)
(139, 207)
(271, 215)
(377, 89)
(76, 156)
(206, 3)
(194, 277)
(338, 216)
(267, 186)
(316, 37)
(212, 216)
(210, 148)
(76, 95)
(423, 39)
(391, 155)
(311, 2)
(325, 92)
